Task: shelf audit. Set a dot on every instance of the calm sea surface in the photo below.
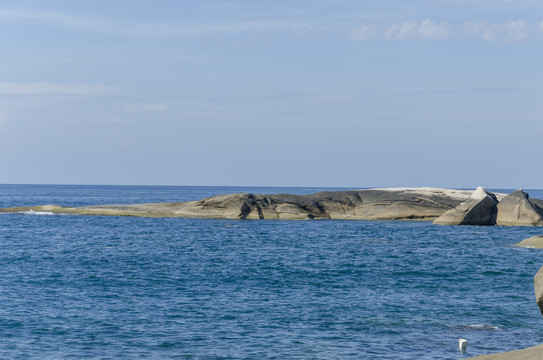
(119, 287)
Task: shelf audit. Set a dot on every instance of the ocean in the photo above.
(98, 287)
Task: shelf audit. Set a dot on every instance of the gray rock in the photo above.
(517, 209)
(372, 204)
(479, 209)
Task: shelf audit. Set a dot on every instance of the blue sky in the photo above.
(281, 93)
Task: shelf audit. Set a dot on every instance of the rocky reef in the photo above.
(444, 206)
(372, 204)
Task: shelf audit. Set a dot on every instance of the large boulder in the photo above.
(479, 209)
(517, 209)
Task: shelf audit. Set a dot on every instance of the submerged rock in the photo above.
(517, 209)
(531, 353)
(535, 242)
(479, 209)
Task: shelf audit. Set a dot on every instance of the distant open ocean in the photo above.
(97, 287)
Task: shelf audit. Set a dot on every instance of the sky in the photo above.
(331, 93)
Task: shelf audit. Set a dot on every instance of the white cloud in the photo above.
(406, 30)
(365, 33)
(46, 88)
(431, 30)
(515, 30)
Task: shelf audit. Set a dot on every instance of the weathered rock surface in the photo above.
(531, 353)
(479, 209)
(535, 242)
(372, 204)
(517, 209)
(445, 206)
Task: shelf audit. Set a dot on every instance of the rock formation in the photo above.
(535, 242)
(517, 209)
(479, 209)
(372, 204)
(445, 206)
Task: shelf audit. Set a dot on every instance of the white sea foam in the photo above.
(32, 212)
(482, 327)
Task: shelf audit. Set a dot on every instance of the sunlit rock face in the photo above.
(371, 204)
(479, 209)
(517, 209)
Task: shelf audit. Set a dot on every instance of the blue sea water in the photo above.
(97, 287)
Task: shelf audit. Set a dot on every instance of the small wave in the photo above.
(483, 327)
(32, 212)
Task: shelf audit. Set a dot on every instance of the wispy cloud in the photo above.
(46, 16)
(144, 107)
(187, 29)
(47, 88)
(514, 30)
(197, 30)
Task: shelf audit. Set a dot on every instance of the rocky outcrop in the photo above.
(479, 209)
(535, 242)
(371, 204)
(445, 206)
(517, 209)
